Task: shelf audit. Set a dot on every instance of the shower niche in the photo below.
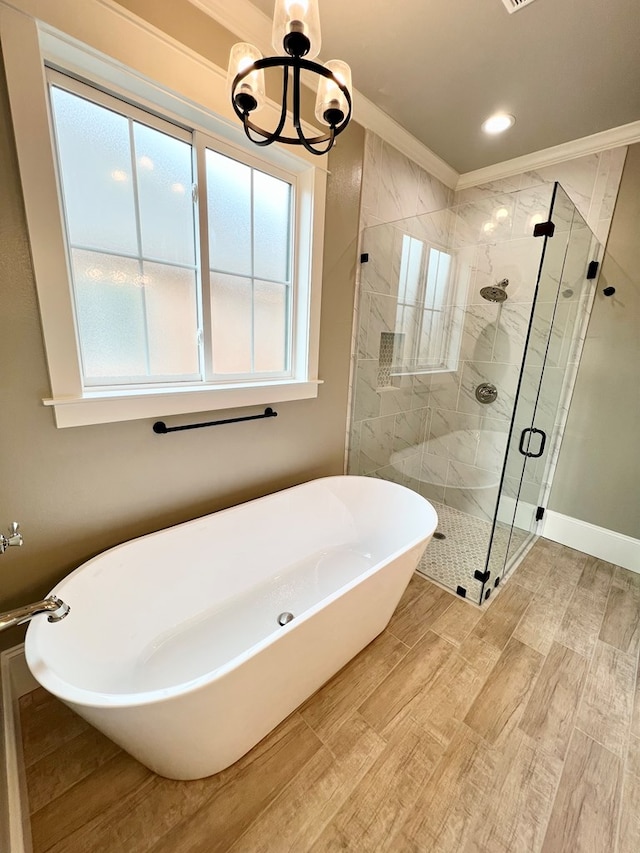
(471, 322)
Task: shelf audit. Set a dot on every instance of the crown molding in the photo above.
(615, 137)
(374, 119)
(248, 22)
(240, 17)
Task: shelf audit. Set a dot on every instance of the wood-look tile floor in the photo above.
(512, 729)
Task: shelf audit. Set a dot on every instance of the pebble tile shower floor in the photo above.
(453, 561)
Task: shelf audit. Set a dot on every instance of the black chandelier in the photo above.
(296, 29)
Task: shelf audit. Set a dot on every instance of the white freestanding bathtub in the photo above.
(173, 648)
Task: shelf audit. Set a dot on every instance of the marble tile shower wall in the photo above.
(591, 182)
(425, 430)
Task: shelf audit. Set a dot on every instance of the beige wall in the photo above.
(78, 491)
(598, 474)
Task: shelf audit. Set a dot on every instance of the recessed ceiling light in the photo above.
(498, 123)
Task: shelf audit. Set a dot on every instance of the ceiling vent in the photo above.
(515, 5)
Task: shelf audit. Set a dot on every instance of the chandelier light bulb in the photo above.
(296, 28)
(331, 103)
(249, 94)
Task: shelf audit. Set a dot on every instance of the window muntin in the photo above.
(424, 316)
(133, 242)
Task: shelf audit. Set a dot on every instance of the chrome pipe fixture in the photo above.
(296, 31)
(14, 539)
(54, 606)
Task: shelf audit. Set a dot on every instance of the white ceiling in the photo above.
(565, 68)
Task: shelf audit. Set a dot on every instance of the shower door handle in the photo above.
(531, 431)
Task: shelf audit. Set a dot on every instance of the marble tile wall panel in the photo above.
(479, 332)
(603, 202)
(487, 220)
(577, 176)
(431, 476)
(382, 318)
(461, 476)
(376, 443)
(492, 444)
(410, 430)
(422, 385)
(361, 326)
(532, 207)
(376, 274)
(591, 182)
(444, 389)
(503, 376)
(516, 260)
(511, 332)
(394, 187)
(370, 184)
(366, 398)
(396, 399)
(393, 473)
(435, 227)
(454, 435)
(478, 502)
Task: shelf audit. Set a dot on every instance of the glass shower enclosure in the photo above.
(470, 328)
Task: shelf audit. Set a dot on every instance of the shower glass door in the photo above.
(561, 304)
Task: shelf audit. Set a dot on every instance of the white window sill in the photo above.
(101, 407)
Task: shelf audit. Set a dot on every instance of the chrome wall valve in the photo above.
(14, 539)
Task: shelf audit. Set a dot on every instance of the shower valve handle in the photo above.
(486, 392)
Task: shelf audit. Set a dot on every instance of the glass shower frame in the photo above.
(401, 388)
(564, 294)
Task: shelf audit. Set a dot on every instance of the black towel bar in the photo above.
(161, 428)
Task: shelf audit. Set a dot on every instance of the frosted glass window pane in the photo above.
(231, 323)
(110, 311)
(270, 312)
(95, 167)
(229, 206)
(172, 320)
(272, 213)
(163, 167)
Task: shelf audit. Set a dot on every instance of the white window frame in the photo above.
(453, 312)
(158, 74)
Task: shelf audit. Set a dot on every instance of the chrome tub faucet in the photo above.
(54, 606)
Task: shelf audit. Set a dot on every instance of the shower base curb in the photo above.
(15, 681)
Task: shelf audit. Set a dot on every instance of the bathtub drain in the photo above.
(284, 618)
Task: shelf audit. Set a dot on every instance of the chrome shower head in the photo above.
(495, 292)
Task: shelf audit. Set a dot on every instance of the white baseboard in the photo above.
(597, 541)
(15, 681)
